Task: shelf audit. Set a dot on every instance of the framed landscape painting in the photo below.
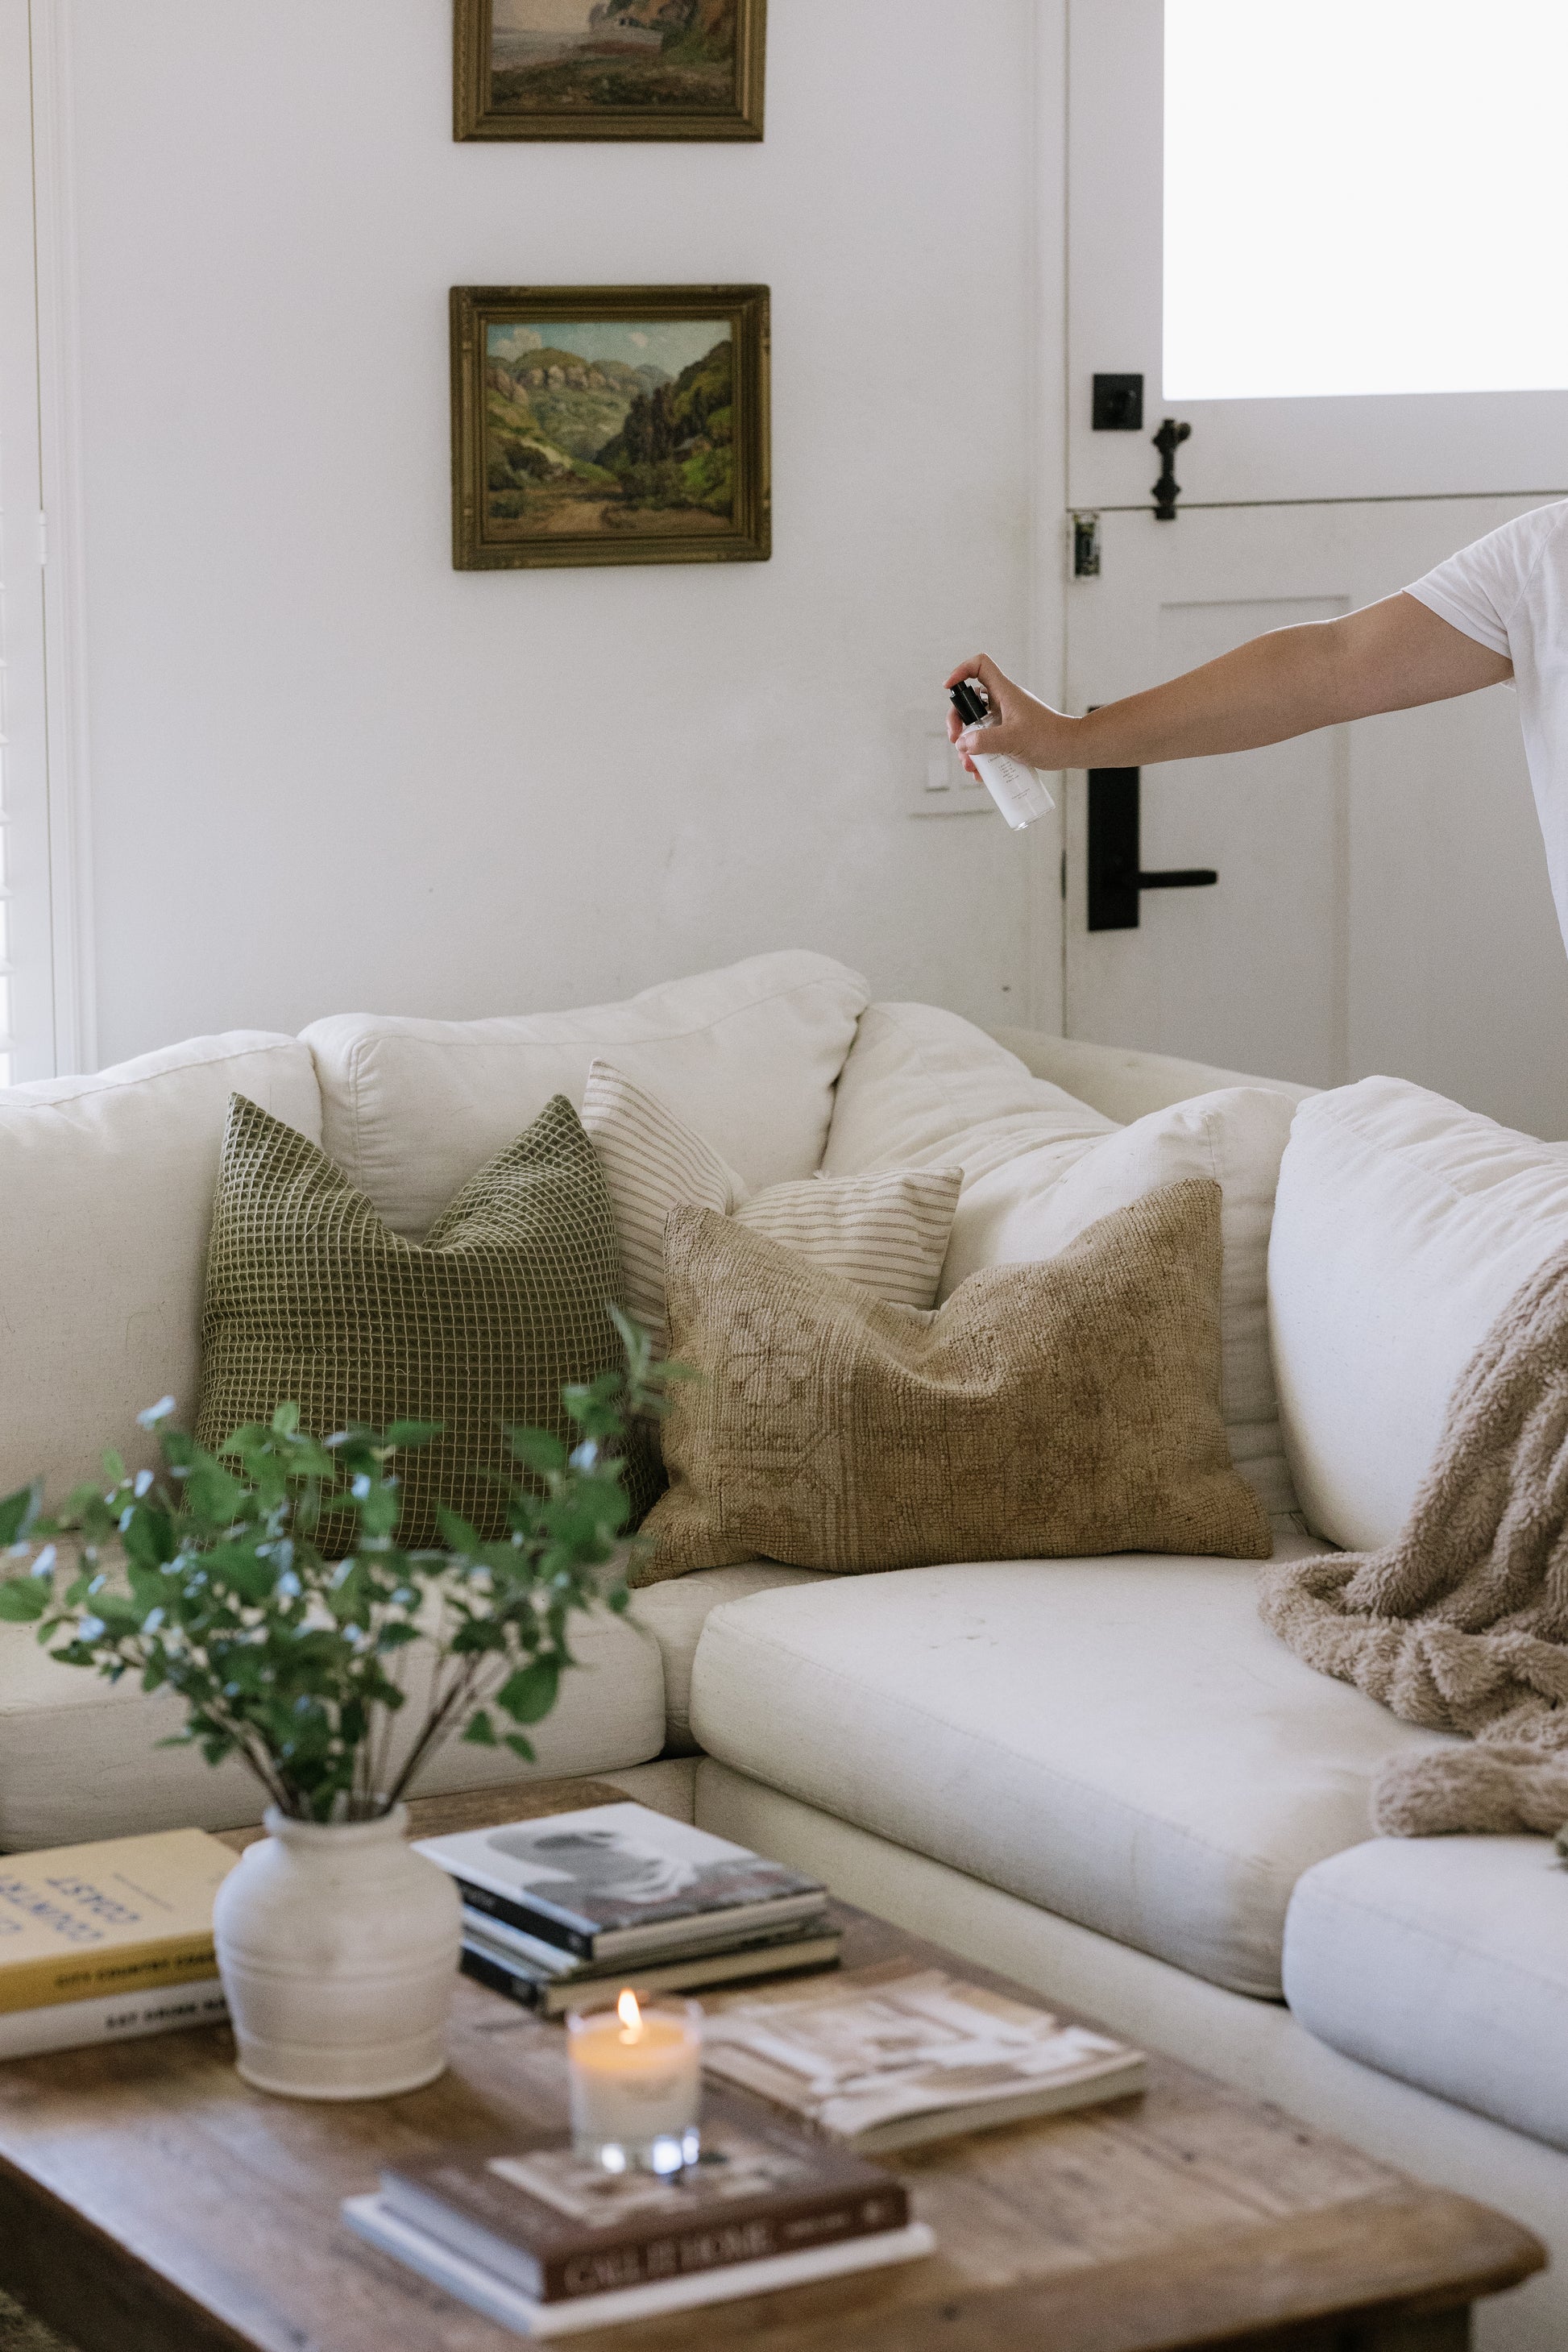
(609, 69)
(609, 425)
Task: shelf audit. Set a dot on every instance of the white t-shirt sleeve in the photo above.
(1480, 589)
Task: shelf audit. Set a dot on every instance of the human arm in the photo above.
(1388, 656)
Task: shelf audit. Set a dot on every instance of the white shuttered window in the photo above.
(39, 1029)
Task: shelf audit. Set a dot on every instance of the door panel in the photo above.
(1416, 444)
(1251, 967)
(1383, 902)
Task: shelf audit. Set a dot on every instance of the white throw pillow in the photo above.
(888, 1231)
(107, 1188)
(411, 1108)
(1405, 1224)
(921, 1086)
(1032, 1206)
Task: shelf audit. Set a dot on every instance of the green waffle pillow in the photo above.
(310, 1295)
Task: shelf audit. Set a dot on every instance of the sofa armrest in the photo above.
(1122, 1083)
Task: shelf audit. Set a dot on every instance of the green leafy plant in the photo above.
(209, 1581)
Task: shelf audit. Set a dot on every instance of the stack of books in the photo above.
(547, 2244)
(102, 1942)
(560, 1913)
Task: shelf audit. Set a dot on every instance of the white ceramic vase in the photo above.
(338, 1950)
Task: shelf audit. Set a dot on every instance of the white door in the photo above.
(1278, 256)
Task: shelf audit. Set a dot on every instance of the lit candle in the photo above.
(636, 2081)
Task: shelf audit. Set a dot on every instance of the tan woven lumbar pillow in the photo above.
(888, 1230)
(310, 1297)
(1066, 1407)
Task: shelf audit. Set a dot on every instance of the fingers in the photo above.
(1006, 703)
(955, 728)
(998, 688)
(1000, 739)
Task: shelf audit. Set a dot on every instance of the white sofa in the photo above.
(1104, 1775)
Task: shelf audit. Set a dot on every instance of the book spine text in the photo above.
(714, 2245)
(128, 1968)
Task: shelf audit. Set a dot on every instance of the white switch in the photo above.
(942, 785)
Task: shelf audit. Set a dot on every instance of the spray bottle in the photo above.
(1015, 787)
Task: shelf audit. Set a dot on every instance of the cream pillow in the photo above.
(887, 1232)
(411, 1108)
(1035, 1205)
(1404, 1225)
(922, 1086)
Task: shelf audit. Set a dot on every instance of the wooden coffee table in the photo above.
(151, 2202)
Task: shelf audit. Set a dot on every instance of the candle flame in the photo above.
(628, 2012)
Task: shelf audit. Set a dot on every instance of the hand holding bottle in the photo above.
(976, 726)
(1026, 729)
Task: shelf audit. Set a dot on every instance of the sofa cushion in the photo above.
(887, 1230)
(674, 1614)
(1403, 1227)
(921, 1086)
(1031, 1207)
(1443, 1962)
(106, 1192)
(80, 1758)
(477, 1327)
(748, 1057)
(1121, 1741)
(1064, 1408)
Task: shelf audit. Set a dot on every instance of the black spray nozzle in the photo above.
(968, 701)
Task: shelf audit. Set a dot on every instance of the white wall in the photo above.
(330, 772)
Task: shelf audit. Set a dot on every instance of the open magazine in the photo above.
(881, 2060)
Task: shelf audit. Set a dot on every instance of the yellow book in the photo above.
(128, 1915)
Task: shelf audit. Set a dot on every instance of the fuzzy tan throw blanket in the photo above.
(1461, 1624)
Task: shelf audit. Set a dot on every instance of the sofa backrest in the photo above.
(748, 1057)
(1403, 1225)
(106, 1194)
(1124, 1082)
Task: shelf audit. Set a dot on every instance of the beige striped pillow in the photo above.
(888, 1231)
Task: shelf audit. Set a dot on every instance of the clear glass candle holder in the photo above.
(636, 2084)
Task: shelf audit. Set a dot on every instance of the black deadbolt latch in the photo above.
(1167, 489)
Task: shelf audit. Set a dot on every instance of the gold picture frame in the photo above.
(698, 77)
(609, 425)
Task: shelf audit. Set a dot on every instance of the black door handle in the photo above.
(1178, 878)
(1116, 879)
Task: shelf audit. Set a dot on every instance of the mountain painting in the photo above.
(625, 436)
(610, 69)
(608, 427)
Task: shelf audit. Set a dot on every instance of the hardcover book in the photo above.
(614, 1881)
(125, 1917)
(555, 1960)
(481, 2288)
(885, 2057)
(552, 1991)
(110, 2017)
(555, 2227)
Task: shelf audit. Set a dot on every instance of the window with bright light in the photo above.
(1364, 197)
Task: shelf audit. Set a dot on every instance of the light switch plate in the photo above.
(939, 784)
